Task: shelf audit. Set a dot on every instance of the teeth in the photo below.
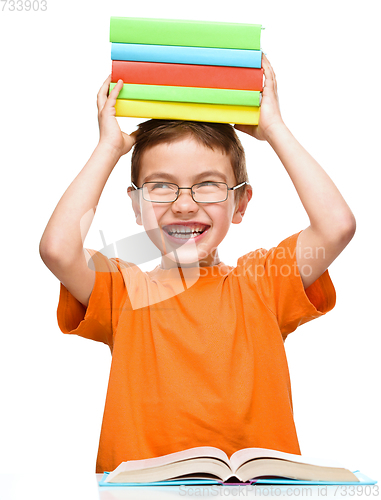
(184, 236)
(185, 229)
(185, 232)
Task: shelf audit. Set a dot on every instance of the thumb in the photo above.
(129, 141)
(247, 129)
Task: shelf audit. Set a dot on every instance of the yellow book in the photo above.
(219, 113)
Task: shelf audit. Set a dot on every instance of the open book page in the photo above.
(195, 468)
(199, 451)
(241, 456)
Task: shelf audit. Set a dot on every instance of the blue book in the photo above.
(186, 55)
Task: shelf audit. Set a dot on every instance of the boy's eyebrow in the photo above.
(165, 175)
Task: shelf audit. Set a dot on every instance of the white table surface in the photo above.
(60, 486)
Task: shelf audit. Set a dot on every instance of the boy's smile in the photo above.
(189, 232)
(186, 230)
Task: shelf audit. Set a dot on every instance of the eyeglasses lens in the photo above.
(210, 192)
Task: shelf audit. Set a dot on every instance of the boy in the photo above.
(197, 346)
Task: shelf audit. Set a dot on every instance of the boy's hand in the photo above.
(110, 133)
(270, 113)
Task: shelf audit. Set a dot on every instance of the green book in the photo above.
(188, 94)
(185, 33)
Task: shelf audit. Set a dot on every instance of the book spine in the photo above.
(186, 55)
(185, 33)
(187, 75)
(219, 113)
(188, 94)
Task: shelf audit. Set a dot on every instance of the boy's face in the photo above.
(186, 162)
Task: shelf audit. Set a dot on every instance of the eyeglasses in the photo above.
(203, 192)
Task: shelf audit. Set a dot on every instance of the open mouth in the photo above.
(181, 232)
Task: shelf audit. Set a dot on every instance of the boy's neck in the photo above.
(211, 260)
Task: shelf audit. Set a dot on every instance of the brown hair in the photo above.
(212, 135)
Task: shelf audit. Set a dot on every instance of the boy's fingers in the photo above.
(267, 67)
(111, 100)
(102, 94)
(133, 135)
(270, 80)
(271, 69)
(248, 129)
(266, 61)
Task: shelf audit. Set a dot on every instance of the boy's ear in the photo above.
(242, 205)
(134, 195)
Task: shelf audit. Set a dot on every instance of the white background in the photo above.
(326, 58)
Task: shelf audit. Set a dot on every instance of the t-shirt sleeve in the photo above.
(275, 275)
(98, 321)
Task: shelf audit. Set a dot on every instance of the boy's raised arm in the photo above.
(61, 245)
(332, 224)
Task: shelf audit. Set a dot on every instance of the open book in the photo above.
(207, 462)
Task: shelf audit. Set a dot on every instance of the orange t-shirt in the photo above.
(197, 360)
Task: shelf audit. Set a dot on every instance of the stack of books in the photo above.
(187, 70)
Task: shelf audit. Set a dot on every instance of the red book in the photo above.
(187, 75)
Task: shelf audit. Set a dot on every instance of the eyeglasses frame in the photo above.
(191, 188)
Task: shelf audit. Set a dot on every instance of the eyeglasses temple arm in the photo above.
(239, 185)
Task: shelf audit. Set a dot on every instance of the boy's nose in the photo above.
(184, 202)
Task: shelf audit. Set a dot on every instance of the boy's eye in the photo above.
(161, 185)
(213, 191)
(207, 183)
